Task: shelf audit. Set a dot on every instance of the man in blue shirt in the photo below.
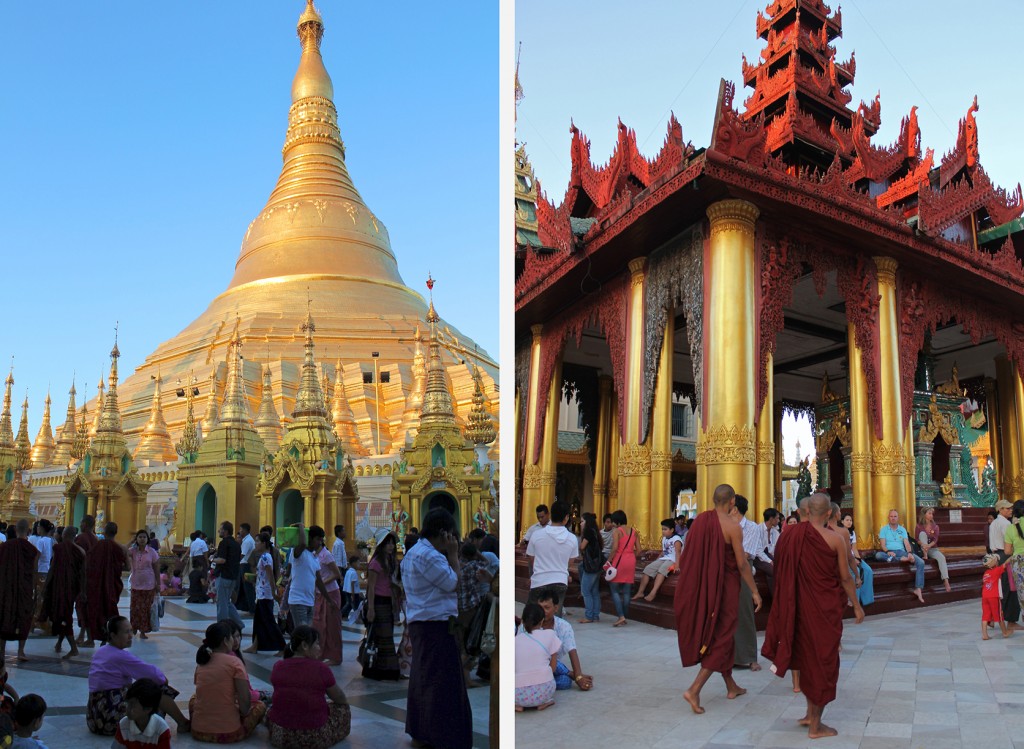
(897, 549)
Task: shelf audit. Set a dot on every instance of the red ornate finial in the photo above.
(430, 282)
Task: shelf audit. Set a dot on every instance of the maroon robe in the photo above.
(707, 597)
(85, 540)
(18, 562)
(63, 586)
(805, 625)
(104, 565)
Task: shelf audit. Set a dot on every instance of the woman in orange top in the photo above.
(222, 709)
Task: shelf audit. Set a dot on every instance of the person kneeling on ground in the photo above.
(300, 716)
(141, 726)
(564, 677)
(663, 566)
(536, 661)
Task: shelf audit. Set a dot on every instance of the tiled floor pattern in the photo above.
(378, 708)
(916, 679)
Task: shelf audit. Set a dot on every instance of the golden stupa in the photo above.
(315, 239)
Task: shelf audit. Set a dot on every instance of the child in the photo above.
(666, 564)
(350, 590)
(991, 605)
(141, 727)
(28, 718)
(536, 658)
(170, 585)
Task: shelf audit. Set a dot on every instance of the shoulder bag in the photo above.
(610, 570)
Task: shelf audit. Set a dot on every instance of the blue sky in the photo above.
(140, 139)
(641, 61)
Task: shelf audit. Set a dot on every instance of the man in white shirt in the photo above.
(543, 518)
(746, 628)
(246, 591)
(198, 547)
(338, 548)
(550, 549)
(761, 559)
(305, 578)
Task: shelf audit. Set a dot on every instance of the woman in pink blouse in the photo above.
(145, 576)
(327, 609)
(382, 601)
(927, 533)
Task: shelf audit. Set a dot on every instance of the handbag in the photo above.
(367, 655)
(610, 570)
(475, 632)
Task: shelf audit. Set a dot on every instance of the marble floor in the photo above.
(378, 708)
(922, 678)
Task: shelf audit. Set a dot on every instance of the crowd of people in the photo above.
(440, 589)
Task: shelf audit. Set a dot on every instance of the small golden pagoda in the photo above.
(441, 467)
(268, 423)
(155, 443)
(66, 435)
(14, 458)
(341, 416)
(218, 480)
(99, 409)
(22, 445)
(308, 479)
(105, 483)
(44, 446)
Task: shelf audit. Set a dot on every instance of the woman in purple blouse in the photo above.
(927, 533)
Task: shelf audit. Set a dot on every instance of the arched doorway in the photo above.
(443, 500)
(836, 472)
(289, 509)
(78, 507)
(206, 510)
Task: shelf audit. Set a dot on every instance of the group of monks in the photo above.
(84, 578)
(813, 585)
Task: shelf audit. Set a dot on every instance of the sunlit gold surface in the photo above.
(1010, 431)
(765, 471)
(156, 441)
(864, 517)
(43, 447)
(634, 462)
(605, 434)
(661, 435)
(66, 438)
(531, 489)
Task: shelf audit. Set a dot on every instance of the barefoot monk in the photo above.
(707, 597)
(17, 588)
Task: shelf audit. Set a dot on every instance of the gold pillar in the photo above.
(661, 434)
(702, 494)
(727, 445)
(602, 450)
(765, 471)
(1017, 488)
(1009, 428)
(779, 459)
(614, 441)
(548, 462)
(909, 478)
(994, 441)
(531, 469)
(889, 463)
(865, 518)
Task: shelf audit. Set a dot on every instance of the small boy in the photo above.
(991, 605)
(666, 564)
(350, 591)
(141, 727)
(28, 718)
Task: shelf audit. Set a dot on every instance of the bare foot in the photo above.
(755, 666)
(620, 623)
(804, 721)
(736, 692)
(917, 592)
(22, 657)
(649, 597)
(143, 636)
(519, 709)
(986, 637)
(694, 702)
(822, 732)
(796, 690)
(637, 597)
(946, 583)
(545, 706)
(1009, 633)
(585, 621)
(73, 654)
(88, 644)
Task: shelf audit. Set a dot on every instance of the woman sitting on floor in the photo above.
(222, 709)
(536, 660)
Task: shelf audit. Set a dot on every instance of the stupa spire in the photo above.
(155, 443)
(62, 455)
(110, 415)
(480, 430)
(309, 402)
(341, 413)
(211, 418)
(82, 434)
(315, 221)
(236, 406)
(22, 445)
(43, 448)
(100, 401)
(414, 402)
(437, 399)
(188, 445)
(6, 431)
(268, 424)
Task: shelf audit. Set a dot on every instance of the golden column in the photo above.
(549, 447)
(613, 454)
(889, 462)
(1008, 384)
(1017, 487)
(531, 470)
(603, 448)
(634, 457)
(909, 478)
(865, 519)
(765, 471)
(661, 434)
(727, 446)
(780, 459)
(702, 495)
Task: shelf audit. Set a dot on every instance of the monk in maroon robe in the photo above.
(707, 596)
(63, 586)
(18, 561)
(103, 586)
(85, 540)
(805, 625)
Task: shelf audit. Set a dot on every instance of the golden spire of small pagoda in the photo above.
(110, 415)
(437, 399)
(22, 445)
(341, 414)
(43, 448)
(211, 417)
(480, 430)
(155, 443)
(268, 423)
(414, 402)
(81, 442)
(235, 411)
(100, 401)
(309, 402)
(62, 455)
(188, 445)
(6, 431)
(328, 391)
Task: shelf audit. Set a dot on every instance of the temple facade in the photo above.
(792, 265)
(315, 251)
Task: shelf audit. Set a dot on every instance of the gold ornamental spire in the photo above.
(155, 443)
(110, 415)
(211, 418)
(268, 424)
(22, 446)
(100, 401)
(480, 430)
(437, 399)
(188, 446)
(43, 448)
(62, 455)
(328, 392)
(82, 436)
(315, 221)
(309, 402)
(414, 402)
(236, 406)
(341, 414)
(6, 431)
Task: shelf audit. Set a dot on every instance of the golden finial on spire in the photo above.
(432, 317)
(66, 440)
(110, 415)
(22, 445)
(43, 447)
(480, 429)
(268, 424)
(311, 79)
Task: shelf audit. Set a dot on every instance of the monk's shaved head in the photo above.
(802, 507)
(723, 495)
(835, 513)
(22, 528)
(819, 505)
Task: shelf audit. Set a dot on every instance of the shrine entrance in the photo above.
(78, 508)
(445, 501)
(289, 509)
(206, 510)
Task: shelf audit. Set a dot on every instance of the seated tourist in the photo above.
(564, 677)
(222, 709)
(862, 572)
(897, 549)
(536, 661)
(112, 671)
(663, 566)
(28, 718)
(142, 726)
(309, 709)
